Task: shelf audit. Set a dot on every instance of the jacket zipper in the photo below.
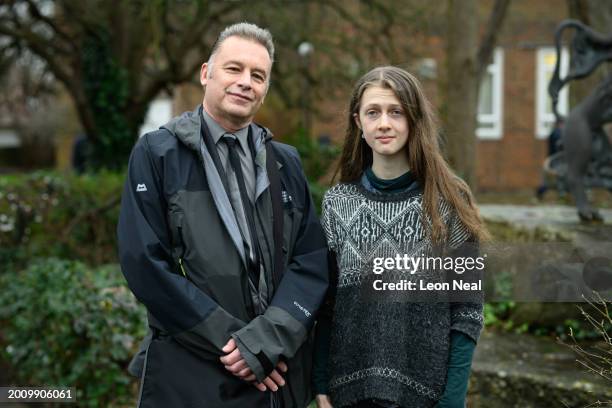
(181, 266)
(180, 259)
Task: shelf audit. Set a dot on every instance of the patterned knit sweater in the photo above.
(383, 345)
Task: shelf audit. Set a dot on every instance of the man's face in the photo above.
(237, 82)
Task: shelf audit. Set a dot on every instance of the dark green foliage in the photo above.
(316, 160)
(107, 88)
(46, 214)
(317, 190)
(316, 156)
(65, 324)
(496, 314)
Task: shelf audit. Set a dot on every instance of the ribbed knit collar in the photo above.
(394, 185)
(395, 189)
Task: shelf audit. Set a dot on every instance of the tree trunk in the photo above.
(466, 63)
(462, 88)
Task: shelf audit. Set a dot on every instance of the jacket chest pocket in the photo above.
(201, 243)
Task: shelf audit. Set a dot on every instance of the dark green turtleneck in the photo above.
(395, 185)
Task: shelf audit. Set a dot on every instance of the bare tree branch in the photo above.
(178, 70)
(42, 48)
(347, 16)
(37, 15)
(485, 51)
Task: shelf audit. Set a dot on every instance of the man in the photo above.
(219, 239)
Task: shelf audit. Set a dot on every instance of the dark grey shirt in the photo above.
(246, 158)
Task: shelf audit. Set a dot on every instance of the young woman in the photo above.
(396, 196)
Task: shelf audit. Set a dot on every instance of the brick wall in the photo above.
(514, 162)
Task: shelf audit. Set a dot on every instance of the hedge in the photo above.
(47, 214)
(66, 324)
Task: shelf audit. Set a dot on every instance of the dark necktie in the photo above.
(230, 141)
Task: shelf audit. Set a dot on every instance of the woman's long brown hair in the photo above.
(424, 156)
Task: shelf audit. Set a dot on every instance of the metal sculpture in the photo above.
(586, 159)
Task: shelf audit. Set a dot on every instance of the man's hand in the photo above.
(233, 361)
(235, 364)
(323, 401)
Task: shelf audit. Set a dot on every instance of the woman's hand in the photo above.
(323, 401)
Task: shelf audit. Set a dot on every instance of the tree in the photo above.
(114, 57)
(467, 61)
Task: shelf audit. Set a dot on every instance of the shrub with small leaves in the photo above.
(65, 324)
(49, 214)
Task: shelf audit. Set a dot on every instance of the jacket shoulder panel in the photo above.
(158, 142)
(177, 166)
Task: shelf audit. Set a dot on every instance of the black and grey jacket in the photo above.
(183, 260)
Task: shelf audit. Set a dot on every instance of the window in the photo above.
(546, 60)
(490, 99)
(9, 139)
(159, 113)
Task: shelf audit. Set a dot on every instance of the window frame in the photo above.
(496, 69)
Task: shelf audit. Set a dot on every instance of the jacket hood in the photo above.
(186, 128)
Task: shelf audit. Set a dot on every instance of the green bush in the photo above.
(317, 191)
(65, 324)
(46, 214)
(317, 159)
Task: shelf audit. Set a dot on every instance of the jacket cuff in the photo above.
(269, 337)
(253, 361)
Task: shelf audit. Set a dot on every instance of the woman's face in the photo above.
(383, 122)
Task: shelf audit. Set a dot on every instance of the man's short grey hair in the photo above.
(245, 30)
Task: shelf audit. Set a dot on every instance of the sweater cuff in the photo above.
(468, 319)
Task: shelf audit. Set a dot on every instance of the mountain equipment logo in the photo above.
(141, 188)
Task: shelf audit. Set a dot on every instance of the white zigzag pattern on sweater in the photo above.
(360, 229)
(384, 372)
